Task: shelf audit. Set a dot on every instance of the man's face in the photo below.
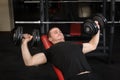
(56, 35)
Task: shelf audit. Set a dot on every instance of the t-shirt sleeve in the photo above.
(47, 53)
(81, 47)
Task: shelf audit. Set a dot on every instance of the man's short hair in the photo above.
(48, 33)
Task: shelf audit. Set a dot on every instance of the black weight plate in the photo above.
(90, 28)
(17, 35)
(101, 19)
(36, 38)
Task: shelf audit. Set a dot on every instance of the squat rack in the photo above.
(45, 15)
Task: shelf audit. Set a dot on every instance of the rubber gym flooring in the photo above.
(12, 66)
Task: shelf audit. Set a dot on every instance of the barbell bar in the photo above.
(57, 22)
(65, 1)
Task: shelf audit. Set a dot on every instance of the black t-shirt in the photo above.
(68, 57)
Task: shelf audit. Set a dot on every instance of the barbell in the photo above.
(17, 35)
(90, 27)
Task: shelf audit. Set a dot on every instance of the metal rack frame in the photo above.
(67, 1)
(47, 22)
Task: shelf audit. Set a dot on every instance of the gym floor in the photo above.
(12, 66)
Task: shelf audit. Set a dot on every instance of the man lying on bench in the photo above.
(66, 56)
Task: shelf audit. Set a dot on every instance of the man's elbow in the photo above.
(35, 64)
(28, 65)
(94, 48)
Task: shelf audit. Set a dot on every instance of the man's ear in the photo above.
(50, 39)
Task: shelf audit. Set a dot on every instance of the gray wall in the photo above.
(4, 16)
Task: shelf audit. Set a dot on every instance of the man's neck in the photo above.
(58, 41)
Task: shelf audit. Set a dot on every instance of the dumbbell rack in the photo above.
(45, 16)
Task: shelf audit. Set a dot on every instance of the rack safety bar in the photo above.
(55, 22)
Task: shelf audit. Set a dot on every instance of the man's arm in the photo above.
(30, 60)
(92, 44)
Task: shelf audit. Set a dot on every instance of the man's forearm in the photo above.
(95, 39)
(26, 54)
